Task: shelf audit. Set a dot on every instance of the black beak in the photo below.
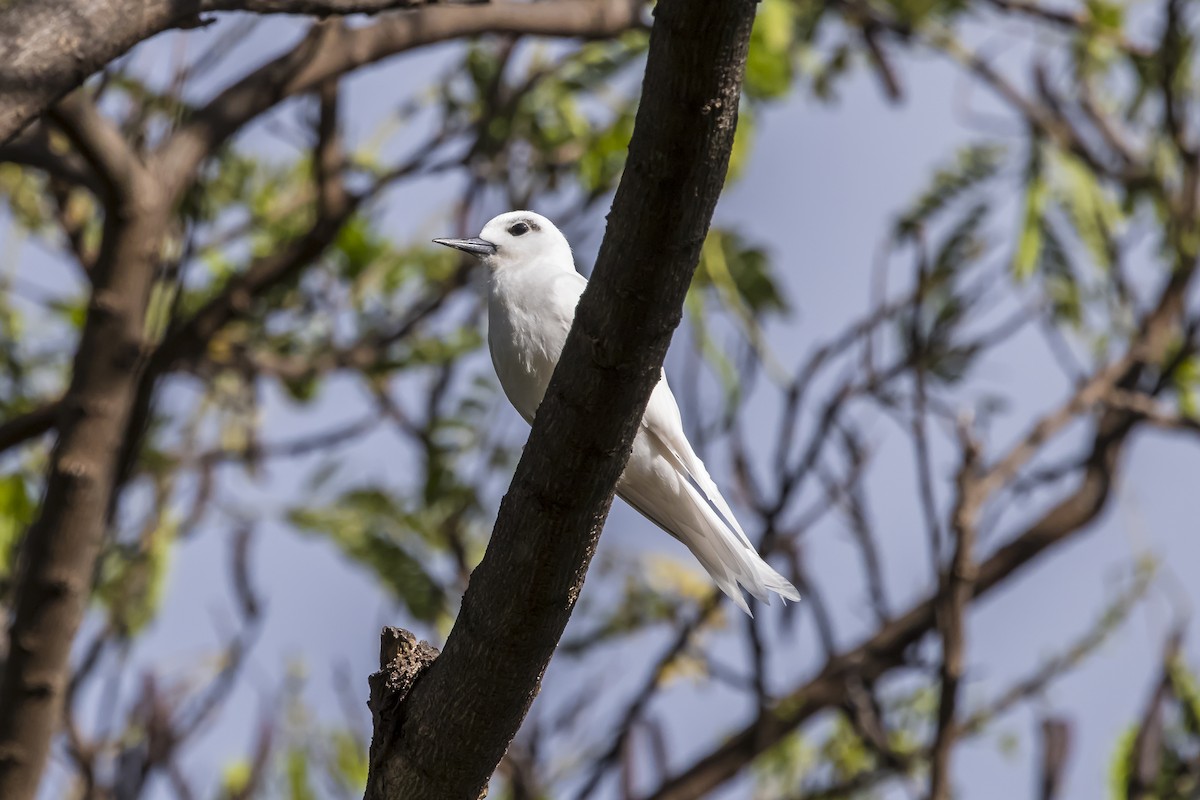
(476, 247)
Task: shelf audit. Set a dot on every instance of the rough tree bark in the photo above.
(443, 740)
(49, 47)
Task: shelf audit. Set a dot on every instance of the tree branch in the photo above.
(330, 52)
(33, 149)
(59, 552)
(334, 206)
(20, 429)
(51, 46)
(1056, 747)
(100, 144)
(459, 718)
(340, 51)
(318, 8)
(957, 584)
(885, 650)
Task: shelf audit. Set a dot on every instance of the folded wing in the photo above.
(668, 484)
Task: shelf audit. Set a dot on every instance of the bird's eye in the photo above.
(519, 229)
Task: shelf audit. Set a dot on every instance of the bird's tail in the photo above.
(734, 565)
(719, 545)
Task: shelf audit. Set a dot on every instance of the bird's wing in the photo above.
(664, 425)
(566, 288)
(661, 422)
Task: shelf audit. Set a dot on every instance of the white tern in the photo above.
(533, 289)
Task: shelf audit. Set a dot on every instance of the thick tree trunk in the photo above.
(48, 47)
(449, 722)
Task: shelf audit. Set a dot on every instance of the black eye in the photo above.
(519, 229)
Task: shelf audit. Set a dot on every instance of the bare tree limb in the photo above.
(957, 585)
(19, 430)
(458, 720)
(886, 648)
(1056, 746)
(99, 142)
(1148, 743)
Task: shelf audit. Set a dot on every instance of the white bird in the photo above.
(533, 289)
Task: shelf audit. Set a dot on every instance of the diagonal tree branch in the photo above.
(30, 425)
(33, 149)
(446, 737)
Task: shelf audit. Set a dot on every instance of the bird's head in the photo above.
(516, 238)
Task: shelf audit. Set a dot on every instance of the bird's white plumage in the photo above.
(532, 293)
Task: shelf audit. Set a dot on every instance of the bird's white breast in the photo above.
(530, 310)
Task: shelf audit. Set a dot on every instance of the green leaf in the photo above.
(783, 767)
(349, 762)
(963, 245)
(1122, 760)
(133, 577)
(299, 785)
(595, 64)
(1106, 15)
(16, 513)
(24, 191)
(740, 273)
(972, 166)
(1029, 243)
(740, 277)
(358, 246)
(235, 778)
(368, 527)
(441, 349)
(743, 140)
(1093, 211)
(695, 304)
(603, 157)
(769, 64)
(1186, 379)
(1058, 277)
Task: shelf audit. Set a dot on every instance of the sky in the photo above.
(820, 193)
